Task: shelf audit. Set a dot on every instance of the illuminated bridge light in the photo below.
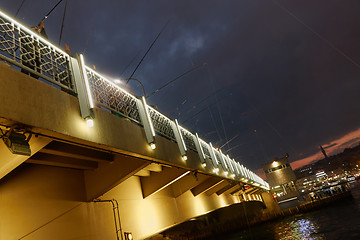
(90, 122)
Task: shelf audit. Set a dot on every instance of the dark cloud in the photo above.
(281, 71)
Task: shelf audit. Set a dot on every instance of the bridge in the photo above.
(81, 158)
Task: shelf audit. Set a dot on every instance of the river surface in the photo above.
(338, 221)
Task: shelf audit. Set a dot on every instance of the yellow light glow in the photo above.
(232, 175)
(90, 122)
(203, 165)
(153, 146)
(184, 158)
(222, 201)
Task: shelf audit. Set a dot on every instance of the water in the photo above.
(338, 221)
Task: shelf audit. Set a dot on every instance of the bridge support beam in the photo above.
(217, 187)
(108, 175)
(188, 182)
(158, 181)
(227, 188)
(206, 185)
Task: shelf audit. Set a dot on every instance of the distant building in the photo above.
(281, 179)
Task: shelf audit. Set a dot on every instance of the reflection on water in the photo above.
(302, 228)
(336, 222)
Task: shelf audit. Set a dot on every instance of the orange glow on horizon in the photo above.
(334, 147)
(331, 148)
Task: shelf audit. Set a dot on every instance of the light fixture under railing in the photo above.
(90, 122)
(153, 146)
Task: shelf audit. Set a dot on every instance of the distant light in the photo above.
(117, 81)
(232, 175)
(153, 146)
(203, 165)
(216, 170)
(90, 122)
(184, 158)
(226, 173)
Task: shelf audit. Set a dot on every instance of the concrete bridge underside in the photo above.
(49, 195)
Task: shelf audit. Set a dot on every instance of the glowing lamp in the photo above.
(90, 122)
(184, 157)
(117, 81)
(153, 146)
(203, 165)
(128, 236)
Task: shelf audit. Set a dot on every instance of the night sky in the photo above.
(275, 77)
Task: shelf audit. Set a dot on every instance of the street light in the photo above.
(140, 84)
(119, 82)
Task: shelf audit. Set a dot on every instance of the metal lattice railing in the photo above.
(205, 148)
(188, 139)
(25, 49)
(110, 96)
(161, 123)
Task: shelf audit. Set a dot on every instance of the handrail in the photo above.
(32, 53)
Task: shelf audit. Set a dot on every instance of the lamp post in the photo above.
(140, 84)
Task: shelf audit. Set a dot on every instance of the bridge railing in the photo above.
(161, 123)
(110, 96)
(26, 50)
(188, 139)
(35, 55)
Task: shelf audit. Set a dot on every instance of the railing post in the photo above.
(242, 171)
(82, 87)
(199, 149)
(179, 138)
(236, 167)
(223, 163)
(227, 159)
(213, 158)
(146, 121)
